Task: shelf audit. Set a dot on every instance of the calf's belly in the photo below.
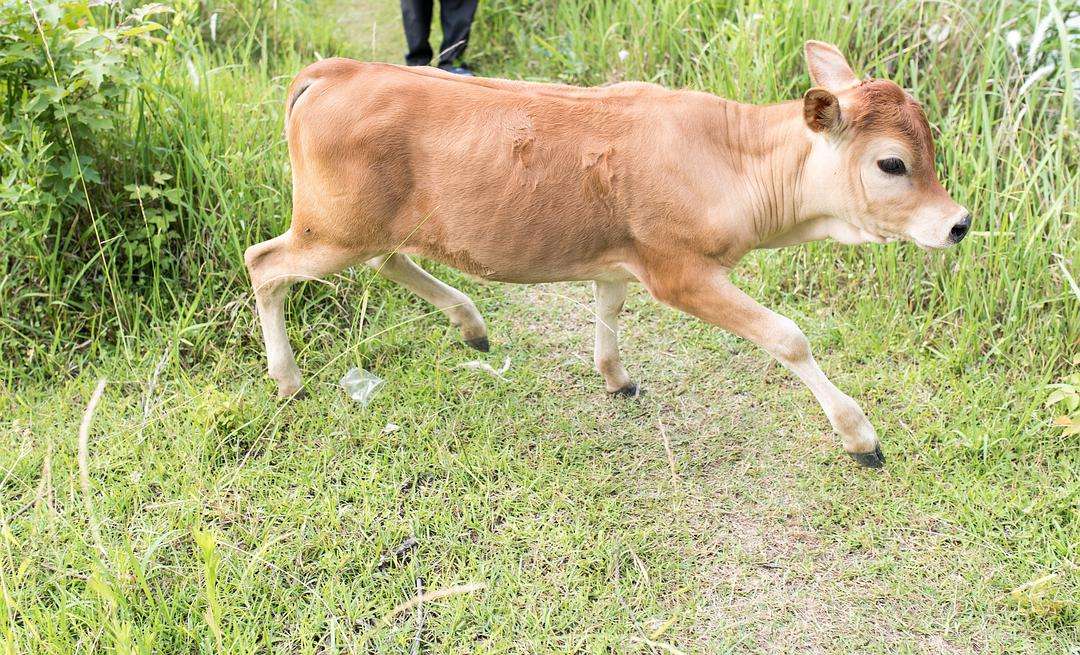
(521, 267)
(500, 235)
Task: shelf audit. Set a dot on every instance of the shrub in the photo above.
(66, 73)
(131, 140)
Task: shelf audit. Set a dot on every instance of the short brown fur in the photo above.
(526, 182)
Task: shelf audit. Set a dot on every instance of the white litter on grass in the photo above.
(391, 427)
(938, 32)
(361, 385)
(478, 365)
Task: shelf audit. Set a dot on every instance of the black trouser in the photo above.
(456, 17)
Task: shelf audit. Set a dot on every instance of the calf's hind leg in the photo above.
(273, 266)
(457, 306)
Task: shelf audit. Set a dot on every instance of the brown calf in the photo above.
(524, 182)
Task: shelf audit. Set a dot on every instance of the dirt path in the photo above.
(788, 557)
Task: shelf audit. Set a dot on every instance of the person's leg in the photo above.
(456, 17)
(416, 16)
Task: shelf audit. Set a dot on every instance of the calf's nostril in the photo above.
(960, 230)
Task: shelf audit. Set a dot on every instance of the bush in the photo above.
(118, 159)
(67, 73)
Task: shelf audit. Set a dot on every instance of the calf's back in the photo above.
(509, 181)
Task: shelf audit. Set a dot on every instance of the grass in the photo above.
(233, 523)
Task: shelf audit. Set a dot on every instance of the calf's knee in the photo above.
(255, 259)
(789, 345)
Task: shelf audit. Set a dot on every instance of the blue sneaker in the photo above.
(457, 70)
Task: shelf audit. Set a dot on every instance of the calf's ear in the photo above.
(828, 67)
(821, 110)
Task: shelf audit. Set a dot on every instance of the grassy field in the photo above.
(715, 514)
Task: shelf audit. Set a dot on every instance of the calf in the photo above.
(524, 182)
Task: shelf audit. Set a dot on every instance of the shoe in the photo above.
(457, 70)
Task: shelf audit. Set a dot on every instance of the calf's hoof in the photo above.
(479, 343)
(874, 460)
(631, 390)
(299, 393)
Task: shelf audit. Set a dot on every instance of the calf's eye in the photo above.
(892, 166)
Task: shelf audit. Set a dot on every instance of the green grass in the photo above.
(235, 523)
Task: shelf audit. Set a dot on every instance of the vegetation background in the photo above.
(141, 152)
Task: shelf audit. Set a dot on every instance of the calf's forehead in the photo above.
(880, 108)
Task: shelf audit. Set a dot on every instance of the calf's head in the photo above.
(873, 156)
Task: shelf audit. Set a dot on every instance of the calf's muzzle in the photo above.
(960, 230)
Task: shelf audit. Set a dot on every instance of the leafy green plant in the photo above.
(157, 202)
(128, 174)
(1065, 398)
(66, 77)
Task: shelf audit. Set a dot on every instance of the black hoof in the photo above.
(629, 391)
(480, 343)
(299, 394)
(874, 460)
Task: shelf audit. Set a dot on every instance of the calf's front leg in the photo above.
(711, 296)
(610, 297)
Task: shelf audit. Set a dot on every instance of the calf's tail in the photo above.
(299, 84)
